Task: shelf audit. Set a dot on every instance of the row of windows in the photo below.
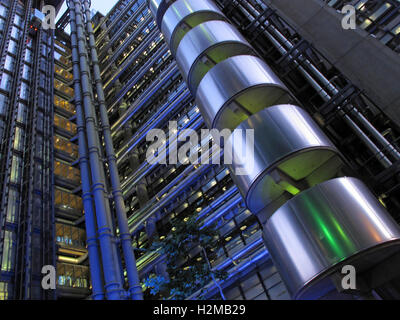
(62, 87)
(65, 124)
(65, 146)
(65, 171)
(64, 74)
(68, 201)
(72, 276)
(64, 104)
(70, 236)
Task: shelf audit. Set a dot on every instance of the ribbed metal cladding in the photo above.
(296, 167)
(183, 16)
(206, 45)
(336, 223)
(225, 104)
(289, 154)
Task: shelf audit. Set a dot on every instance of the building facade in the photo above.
(79, 193)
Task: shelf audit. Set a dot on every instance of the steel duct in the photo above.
(293, 159)
(135, 288)
(107, 240)
(90, 219)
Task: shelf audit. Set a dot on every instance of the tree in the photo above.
(184, 279)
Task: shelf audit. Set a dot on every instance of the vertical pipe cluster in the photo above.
(99, 222)
(90, 219)
(126, 243)
(293, 181)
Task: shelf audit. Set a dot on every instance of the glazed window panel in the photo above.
(9, 63)
(68, 201)
(13, 46)
(6, 82)
(72, 276)
(70, 236)
(24, 93)
(67, 172)
(8, 260)
(65, 146)
(15, 169)
(62, 87)
(65, 124)
(63, 73)
(21, 116)
(13, 205)
(28, 56)
(4, 289)
(61, 103)
(3, 103)
(3, 11)
(15, 33)
(19, 139)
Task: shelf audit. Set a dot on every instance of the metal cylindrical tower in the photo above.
(315, 220)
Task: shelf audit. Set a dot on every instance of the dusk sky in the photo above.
(100, 5)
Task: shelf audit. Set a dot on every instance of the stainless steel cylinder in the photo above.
(184, 15)
(336, 223)
(158, 9)
(288, 148)
(207, 45)
(237, 88)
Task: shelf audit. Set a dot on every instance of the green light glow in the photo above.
(336, 239)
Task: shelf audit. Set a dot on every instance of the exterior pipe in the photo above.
(160, 116)
(145, 167)
(79, 260)
(135, 288)
(189, 175)
(90, 220)
(253, 187)
(113, 288)
(354, 111)
(114, 22)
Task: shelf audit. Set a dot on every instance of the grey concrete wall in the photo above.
(367, 62)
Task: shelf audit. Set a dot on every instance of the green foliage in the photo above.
(184, 279)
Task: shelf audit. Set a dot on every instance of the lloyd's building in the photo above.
(316, 214)
(317, 200)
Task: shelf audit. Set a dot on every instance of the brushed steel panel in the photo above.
(335, 223)
(288, 147)
(206, 45)
(236, 88)
(184, 15)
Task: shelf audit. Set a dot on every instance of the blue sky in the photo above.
(100, 5)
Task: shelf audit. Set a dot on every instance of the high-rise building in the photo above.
(319, 192)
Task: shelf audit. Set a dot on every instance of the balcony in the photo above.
(65, 149)
(66, 176)
(65, 126)
(64, 106)
(73, 281)
(68, 205)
